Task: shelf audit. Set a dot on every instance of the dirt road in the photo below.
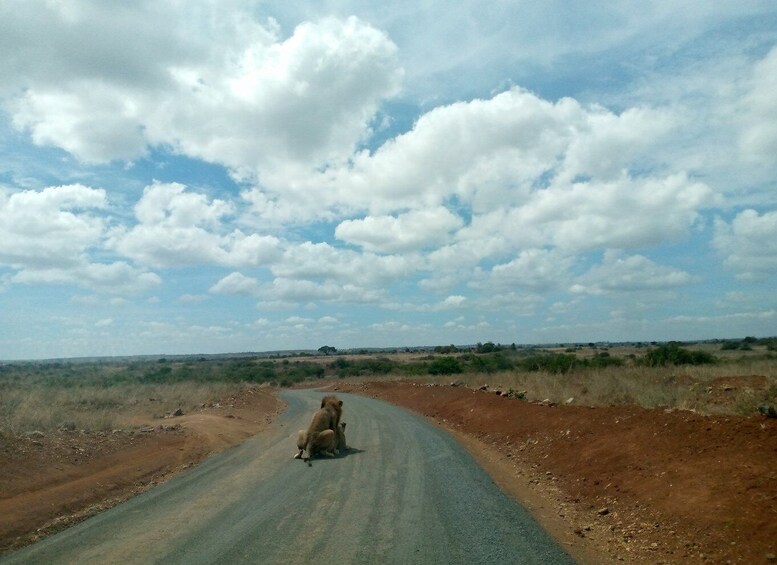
(406, 493)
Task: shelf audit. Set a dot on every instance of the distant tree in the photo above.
(327, 350)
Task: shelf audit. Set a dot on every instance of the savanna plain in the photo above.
(636, 453)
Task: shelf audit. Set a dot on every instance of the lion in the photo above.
(341, 445)
(327, 443)
(321, 435)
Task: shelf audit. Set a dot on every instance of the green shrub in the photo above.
(672, 354)
(445, 366)
(552, 363)
(601, 361)
(377, 366)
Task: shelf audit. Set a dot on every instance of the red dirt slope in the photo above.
(621, 483)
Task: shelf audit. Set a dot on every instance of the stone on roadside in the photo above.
(768, 410)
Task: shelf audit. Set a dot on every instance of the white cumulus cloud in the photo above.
(53, 226)
(177, 228)
(629, 273)
(210, 81)
(533, 269)
(749, 244)
(236, 284)
(48, 237)
(407, 232)
(759, 137)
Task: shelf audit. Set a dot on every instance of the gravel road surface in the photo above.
(405, 493)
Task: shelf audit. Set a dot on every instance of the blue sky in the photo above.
(208, 177)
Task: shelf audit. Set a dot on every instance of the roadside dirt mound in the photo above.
(620, 483)
(52, 481)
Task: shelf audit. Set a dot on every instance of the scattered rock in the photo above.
(570, 400)
(603, 511)
(768, 410)
(771, 557)
(34, 434)
(483, 387)
(178, 412)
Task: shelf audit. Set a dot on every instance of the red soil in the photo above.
(620, 483)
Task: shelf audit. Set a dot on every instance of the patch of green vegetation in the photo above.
(359, 367)
(445, 366)
(672, 354)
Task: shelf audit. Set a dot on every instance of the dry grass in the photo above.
(101, 397)
(683, 387)
(96, 408)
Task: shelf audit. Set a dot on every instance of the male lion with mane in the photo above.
(325, 434)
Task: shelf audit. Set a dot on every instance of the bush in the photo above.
(377, 366)
(445, 366)
(601, 361)
(552, 363)
(672, 354)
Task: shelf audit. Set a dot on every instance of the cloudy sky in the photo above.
(225, 176)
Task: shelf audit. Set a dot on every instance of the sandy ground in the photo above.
(617, 484)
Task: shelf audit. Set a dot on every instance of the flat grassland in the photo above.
(636, 453)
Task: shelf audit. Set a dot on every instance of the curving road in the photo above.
(407, 493)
